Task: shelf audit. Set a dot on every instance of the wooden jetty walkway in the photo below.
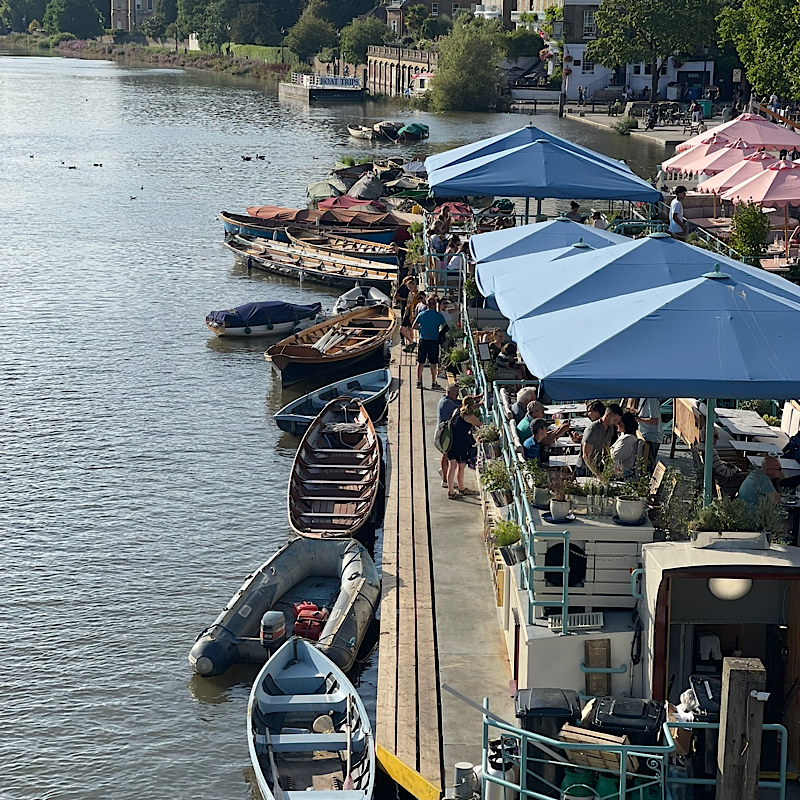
(438, 612)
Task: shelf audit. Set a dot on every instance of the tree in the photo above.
(766, 34)
(415, 17)
(356, 37)
(17, 14)
(523, 42)
(255, 24)
(468, 77)
(165, 12)
(749, 230)
(630, 31)
(79, 17)
(434, 27)
(310, 34)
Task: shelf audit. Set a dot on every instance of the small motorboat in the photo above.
(413, 132)
(308, 732)
(359, 297)
(335, 346)
(370, 388)
(305, 264)
(387, 130)
(336, 473)
(336, 245)
(261, 319)
(361, 132)
(336, 575)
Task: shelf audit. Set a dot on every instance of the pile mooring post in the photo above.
(741, 716)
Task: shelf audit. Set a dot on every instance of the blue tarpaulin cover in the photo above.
(526, 239)
(701, 337)
(265, 313)
(655, 260)
(540, 169)
(506, 141)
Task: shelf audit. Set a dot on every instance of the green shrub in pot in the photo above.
(506, 532)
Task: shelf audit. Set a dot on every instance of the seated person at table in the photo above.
(507, 359)
(597, 438)
(727, 476)
(595, 410)
(759, 484)
(533, 433)
(623, 451)
(497, 343)
(574, 212)
(520, 407)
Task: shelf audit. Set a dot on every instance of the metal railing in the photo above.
(517, 747)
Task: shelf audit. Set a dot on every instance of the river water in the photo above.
(142, 476)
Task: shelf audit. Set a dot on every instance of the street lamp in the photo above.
(705, 60)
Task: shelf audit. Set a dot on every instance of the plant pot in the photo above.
(491, 449)
(559, 510)
(630, 509)
(578, 504)
(540, 497)
(502, 497)
(518, 550)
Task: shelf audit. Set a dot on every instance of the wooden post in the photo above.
(741, 716)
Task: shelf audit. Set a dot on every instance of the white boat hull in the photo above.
(280, 328)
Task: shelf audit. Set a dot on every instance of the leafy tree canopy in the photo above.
(310, 34)
(523, 42)
(630, 31)
(356, 37)
(468, 78)
(79, 17)
(766, 34)
(415, 17)
(434, 27)
(16, 15)
(165, 12)
(254, 23)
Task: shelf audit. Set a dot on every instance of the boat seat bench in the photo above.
(309, 742)
(316, 703)
(332, 795)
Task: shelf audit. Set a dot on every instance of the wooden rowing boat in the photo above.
(246, 225)
(334, 244)
(312, 266)
(336, 473)
(370, 388)
(361, 132)
(334, 347)
(308, 732)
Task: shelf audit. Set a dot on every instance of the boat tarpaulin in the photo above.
(345, 201)
(270, 312)
(330, 216)
(367, 187)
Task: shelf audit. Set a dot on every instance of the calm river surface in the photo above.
(142, 476)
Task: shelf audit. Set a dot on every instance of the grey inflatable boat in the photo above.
(336, 574)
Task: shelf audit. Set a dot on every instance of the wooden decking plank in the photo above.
(406, 646)
(386, 709)
(430, 762)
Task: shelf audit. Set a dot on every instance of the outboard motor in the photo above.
(273, 630)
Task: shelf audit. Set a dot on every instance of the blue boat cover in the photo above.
(270, 312)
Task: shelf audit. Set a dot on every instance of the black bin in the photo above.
(707, 692)
(640, 720)
(545, 712)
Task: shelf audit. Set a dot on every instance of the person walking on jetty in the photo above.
(429, 323)
(444, 412)
(464, 421)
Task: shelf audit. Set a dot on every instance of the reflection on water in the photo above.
(143, 476)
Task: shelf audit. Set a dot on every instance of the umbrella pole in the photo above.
(527, 209)
(708, 460)
(539, 209)
(786, 229)
(714, 195)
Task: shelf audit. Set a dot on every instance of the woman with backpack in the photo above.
(463, 422)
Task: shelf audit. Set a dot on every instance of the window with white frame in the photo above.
(637, 69)
(138, 5)
(589, 26)
(394, 26)
(149, 5)
(587, 68)
(434, 9)
(454, 8)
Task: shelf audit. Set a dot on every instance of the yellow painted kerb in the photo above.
(406, 776)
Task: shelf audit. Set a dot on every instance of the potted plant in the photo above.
(466, 383)
(539, 480)
(459, 358)
(736, 523)
(578, 496)
(632, 499)
(489, 437)
(560, 483)
(508, 534)
(497, 482)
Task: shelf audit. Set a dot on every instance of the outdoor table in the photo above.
(755, 447)
(745, 426)
(565, 409)
(580, 422)
(787, 465)
(570, 461)
(565, 442)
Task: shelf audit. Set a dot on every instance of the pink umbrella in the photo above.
(719, 160)
(777, 185)
(684, 162)
(736, 174)
(751, 129)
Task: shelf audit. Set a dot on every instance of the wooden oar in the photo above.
(348, 781)
(277, 789)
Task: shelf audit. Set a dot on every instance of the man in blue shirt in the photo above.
(429, 323)
(759, 484)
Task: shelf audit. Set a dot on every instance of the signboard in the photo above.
(737, 76)
(558, 30)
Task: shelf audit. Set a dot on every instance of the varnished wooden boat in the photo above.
(361, 132)
(317, 266)
(387, 130)
(246, 225)
(334, 347)
(337, 245)
(336, 472)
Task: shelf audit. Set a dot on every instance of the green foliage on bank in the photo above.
(356, 37)
(81, 18)
(311, 34)
(269, 55)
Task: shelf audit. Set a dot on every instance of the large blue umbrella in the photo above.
(702, 337)
(540, 169)
(526, 239)
(521, 270)
(638, 264)
(507, 141)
